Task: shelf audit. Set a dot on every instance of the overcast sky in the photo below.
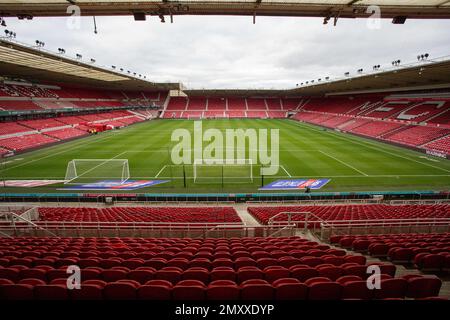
(231, 52)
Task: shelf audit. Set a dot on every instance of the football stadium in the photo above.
(238, 186)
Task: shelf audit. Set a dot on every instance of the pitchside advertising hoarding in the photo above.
(117, 185)
(295, 184)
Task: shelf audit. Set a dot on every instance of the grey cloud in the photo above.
(231, 52)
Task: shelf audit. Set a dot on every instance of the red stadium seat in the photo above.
(256, 289)
(51, 292)
(155, 290)
(290, 289)
(423, 287)
(119, 291)
(324, 291)
(222, 290)
(16, 292)
(189, 290)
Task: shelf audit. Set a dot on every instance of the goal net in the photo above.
(93, 170)
(223, 171)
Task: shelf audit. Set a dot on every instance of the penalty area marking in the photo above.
(160, 171)
(343, 162)
(429, 159)
(282, 167)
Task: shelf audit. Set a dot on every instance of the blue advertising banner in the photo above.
(295, 184)
(117, 185)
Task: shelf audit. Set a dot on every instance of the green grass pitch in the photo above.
(306, 151)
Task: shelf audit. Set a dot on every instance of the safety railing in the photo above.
(142, 229)
(383, 226)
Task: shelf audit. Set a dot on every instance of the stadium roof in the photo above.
(39, 65)
(422, 75)
(20, 61)
(303, 8)
(433, 74)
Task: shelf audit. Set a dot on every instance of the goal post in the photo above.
(93, 170)
(223, 170)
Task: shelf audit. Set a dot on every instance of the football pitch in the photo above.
(305, 151)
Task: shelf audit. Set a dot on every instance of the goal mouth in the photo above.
(81, 171)
(218, 170)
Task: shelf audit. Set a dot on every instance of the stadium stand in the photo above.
(66, 133)
(141, 214)
(196, 103)
(382, 117)
(231, 107)
(428, 252)
(18, 105)
(351, 212)
(440, 145)
(217, 104)
(236, 104)
(199, 269)
(21, 143)
(7, 128)
(256, 104)
(26, 97)
(418, 135)
(377, 128)
(273, 104)
(22, 135)
(40, 124)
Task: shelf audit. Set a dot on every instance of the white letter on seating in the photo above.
(374, 281)
(74, 280)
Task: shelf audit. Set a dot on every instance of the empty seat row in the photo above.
(429, 252)
(317, 288)
(351, 212)
(141, 273)
(141, 214)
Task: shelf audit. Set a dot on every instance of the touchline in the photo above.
(215, 146)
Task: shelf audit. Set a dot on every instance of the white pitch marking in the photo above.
(344, 163)
(162, 169)
(429, 159)
(370, 145)
(282, 167)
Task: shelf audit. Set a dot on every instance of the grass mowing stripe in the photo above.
(343, 162)
(371, 145)
(148, 148)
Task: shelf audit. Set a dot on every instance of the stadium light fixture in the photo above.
(61, 51)
(347, 74)
(79, 56)
(360, 70)
(39, 44)
(113, 67)
(92, 60)
(327, 78)
(2, 22)
(422, 57)
(10, 34)
(24, 16)
(162, 18)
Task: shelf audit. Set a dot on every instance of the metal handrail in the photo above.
(282, 229)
